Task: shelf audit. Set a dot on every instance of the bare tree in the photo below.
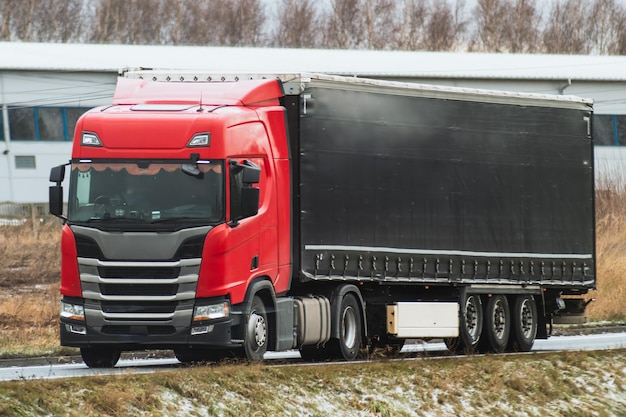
(524, 20)
(605, 26)
(241, 22)
(413, 18)
(565, 31)
(297, 25)
(22, 20)
(444, 26)
(344, 25)
(110, 19)
(380, 21)
(491, 25)
(506, 26)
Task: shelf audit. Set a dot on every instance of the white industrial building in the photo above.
(45, 87)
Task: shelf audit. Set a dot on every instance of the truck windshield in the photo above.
(145, 192)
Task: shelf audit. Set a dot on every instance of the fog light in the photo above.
(201, 330)
(211, 312)
(72, 311)
(72, 328)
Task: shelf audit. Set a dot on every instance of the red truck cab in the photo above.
(178, 199)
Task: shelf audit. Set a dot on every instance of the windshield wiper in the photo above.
(110, 219)
(184, 218)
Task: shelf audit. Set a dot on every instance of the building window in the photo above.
(43, 123)
(609, 130)
(25, 162)
(22, 123)
(50, 123)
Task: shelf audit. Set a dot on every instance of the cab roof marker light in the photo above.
(90, 139)
(200, 140)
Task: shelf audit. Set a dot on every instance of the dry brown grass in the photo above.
(29, 255)
(29, 277)
(611, 254)
(29, 289)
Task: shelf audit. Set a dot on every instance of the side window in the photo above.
(236, 185)
(244, 196)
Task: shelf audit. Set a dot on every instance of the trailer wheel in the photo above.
(351, 324)
(470, 326)
(100, 357)
(524, 326)
(255, 342)
(497, 324)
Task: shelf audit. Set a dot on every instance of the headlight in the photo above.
(211, 312)
(72, 311)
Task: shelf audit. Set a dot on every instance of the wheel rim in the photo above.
(526, 319)
(471, 317)
(349, 327)
(258, 328)
(499, 320)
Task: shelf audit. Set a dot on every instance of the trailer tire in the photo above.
(257, 331)
(100, 357)
(524, 324)
(497, 324)
(348, 346)
(470, 326)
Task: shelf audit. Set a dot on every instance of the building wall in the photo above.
(26, 155)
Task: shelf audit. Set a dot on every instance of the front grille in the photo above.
(139, 307)
(139, 289)
(86, 247)
(147, 330)
(190, 248)
(139, 272)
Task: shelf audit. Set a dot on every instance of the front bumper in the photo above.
(133, 337)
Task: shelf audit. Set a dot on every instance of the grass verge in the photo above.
(572, 384)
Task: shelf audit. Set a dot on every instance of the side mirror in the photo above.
(55, 192)
(249, 201)
(251, 172)
(55, 200)
(57, 174)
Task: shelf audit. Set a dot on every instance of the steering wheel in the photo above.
(109, 200)
(102, 200)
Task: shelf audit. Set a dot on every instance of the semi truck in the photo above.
(238, 214)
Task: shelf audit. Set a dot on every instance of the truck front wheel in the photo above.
(255, 342)
(100, 357)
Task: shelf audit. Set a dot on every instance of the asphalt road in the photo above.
(11, 370)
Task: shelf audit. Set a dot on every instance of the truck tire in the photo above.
(256, 337)
(524, 323)
(100, 357)
(497, 324)
(470, 326)
(351, 324)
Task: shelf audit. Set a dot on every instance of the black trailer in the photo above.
(416, 192)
